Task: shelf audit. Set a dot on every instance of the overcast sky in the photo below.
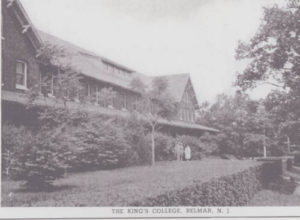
(158, 37)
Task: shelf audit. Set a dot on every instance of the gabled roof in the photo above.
(24, 21)
(176, 84)
(91, 65)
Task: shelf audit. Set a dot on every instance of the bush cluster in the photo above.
(164, 147)
(75, 141)
(98, 145)
(31, 158)
(233, 190)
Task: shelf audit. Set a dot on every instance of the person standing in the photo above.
(187, 153)
(179, 151)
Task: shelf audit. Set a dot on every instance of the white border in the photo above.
(110, 212)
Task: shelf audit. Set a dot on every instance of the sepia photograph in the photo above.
(150, 103)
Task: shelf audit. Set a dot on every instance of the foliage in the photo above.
(273, 56)
(12, 138)
(58, 78)
(138, 85)
(164, 147)
(245, 125)
(106, 97)
(154, 105)
(98, 145)
(208, 143)
(33, 159)
(135, 133)
(274, 50)
(233, 190)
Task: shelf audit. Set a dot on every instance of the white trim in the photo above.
(22, 86)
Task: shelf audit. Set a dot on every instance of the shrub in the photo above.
(164, 147)
(99, 145)
(134, 132)
(226, 145)
(208, 143)
(12, 138)
(143, 149)
(233, 190)
(37, 162)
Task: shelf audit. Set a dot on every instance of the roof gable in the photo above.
(190, 87)
(176, 85)
(25, 23)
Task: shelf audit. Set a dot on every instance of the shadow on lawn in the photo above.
(48, 189)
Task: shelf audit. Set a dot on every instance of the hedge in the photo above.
(234, 190)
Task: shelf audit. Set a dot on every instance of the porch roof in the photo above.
(44, 101)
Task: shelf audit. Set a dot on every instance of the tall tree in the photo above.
(154, 105)
(274, 58)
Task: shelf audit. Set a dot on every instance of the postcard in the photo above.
(115, 109)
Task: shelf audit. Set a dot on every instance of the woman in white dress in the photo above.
(187, 153)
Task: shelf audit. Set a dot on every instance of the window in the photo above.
(21, 75)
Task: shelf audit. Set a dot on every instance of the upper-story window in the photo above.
(114, 69)
(21, 75)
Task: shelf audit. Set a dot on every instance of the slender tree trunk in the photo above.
(265, 147)
(288, 144)
(8, 165)
(153, 145)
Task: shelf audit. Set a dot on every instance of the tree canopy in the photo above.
(273, 57)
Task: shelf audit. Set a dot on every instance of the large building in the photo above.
(22, 69)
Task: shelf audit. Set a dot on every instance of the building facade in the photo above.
(22, 69)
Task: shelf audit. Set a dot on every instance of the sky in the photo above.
(159, 37)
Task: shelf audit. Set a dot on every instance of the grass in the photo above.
(121, 187)
(273, 198)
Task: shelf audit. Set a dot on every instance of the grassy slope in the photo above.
(122, 186)
(271, 198)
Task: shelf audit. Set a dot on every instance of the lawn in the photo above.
(121, 187)
(272, 198)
